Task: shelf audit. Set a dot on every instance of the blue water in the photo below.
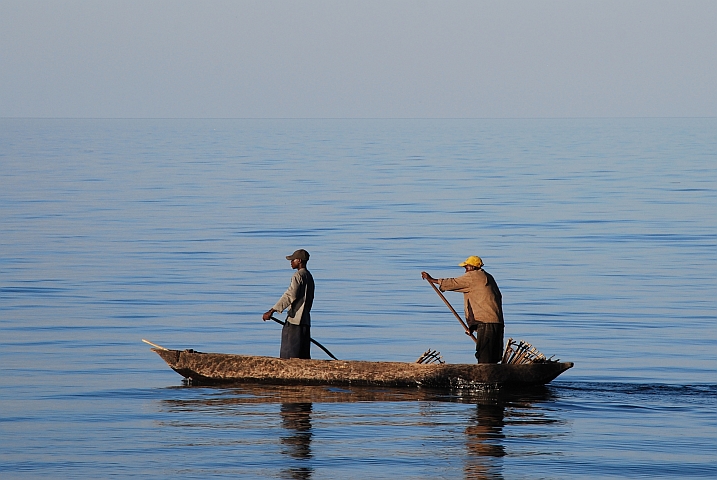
(602, 235)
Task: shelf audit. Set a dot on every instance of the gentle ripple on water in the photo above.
(601, 234)
(566, 430)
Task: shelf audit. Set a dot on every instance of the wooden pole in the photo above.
(465, 327)
(159, 347)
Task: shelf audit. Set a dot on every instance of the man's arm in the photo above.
(458, 284)
(286, 299)
(448, 284)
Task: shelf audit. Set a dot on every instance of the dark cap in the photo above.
(301, 254)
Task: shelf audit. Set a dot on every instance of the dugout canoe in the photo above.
(219, 368)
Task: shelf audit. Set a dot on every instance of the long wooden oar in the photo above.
(280, 322)
(465, 327)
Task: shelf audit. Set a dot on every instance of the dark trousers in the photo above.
(295, 341)
(489, 348)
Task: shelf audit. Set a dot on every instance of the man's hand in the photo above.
(426, 276)
(267, 315)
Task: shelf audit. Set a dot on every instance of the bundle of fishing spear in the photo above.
(522, 352)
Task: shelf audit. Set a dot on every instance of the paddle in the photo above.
(280, 322)
(465, 327)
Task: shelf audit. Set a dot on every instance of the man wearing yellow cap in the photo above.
(483, 304)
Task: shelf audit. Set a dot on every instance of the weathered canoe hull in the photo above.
(217, 368)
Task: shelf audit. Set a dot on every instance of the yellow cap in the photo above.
(472, 260)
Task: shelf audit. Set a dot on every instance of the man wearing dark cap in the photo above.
(296, 335)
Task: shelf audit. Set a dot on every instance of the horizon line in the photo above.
(361, 118)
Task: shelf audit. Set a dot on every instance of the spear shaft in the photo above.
(465, 327)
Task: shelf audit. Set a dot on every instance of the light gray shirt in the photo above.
(299, 298)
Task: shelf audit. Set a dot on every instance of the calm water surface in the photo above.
(602, 235)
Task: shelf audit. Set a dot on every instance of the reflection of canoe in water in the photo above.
(218, 368)
(257, 393)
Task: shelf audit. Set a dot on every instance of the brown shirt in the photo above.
(481, 296)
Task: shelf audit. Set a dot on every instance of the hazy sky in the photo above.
(265, 58)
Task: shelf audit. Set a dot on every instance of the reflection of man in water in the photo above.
(296, 419)
(484, 440)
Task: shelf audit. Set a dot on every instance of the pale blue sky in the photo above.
(160, 58)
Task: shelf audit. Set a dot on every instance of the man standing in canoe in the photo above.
(299, 297)
(483, 307)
